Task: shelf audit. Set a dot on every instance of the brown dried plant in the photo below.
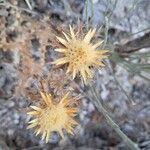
(26, 31)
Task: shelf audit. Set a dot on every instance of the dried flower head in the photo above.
(80, 54)
(53, 116)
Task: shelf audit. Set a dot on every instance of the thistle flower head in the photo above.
(53, 116)
(80, 54)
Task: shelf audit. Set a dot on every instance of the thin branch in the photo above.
(18, 8)
(106, 31)
(28, 3)
(86, 13)
(134, 45)
(130, 144)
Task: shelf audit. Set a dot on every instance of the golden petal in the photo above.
(69, 68)
(72, 121)
(38, 132)
(61, 40)
(61, 50)
(66, 36)
(44, 97)
(104, 56)
(89, 35)
(83, 74)
(60, 61)
(101, 52)
(88, 71)
(31, 126)
(72, 114)
(74, 73)
(64, 100)
(69, 129)
(47, 136)
(69, 102)
(71, 110)
(44, 135)
(97, 44)
(33, 121)
(48, 99)
(101, 64)
(35, 131)
(61, 133)
(36, 108)
(33, 113)
(93, 32)
(97, 62)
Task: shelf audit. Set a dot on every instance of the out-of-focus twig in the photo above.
(134, 45)
(7, 4)
(68, 9)
(28, 3)
(143, 30)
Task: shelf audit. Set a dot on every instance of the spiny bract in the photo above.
(53, 116)
(80, 54)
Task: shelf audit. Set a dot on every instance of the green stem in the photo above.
(87, 18)
(131, 145)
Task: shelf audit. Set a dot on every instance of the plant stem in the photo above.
(87, 18)
(130, 144)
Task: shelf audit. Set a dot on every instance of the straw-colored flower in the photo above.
(80, 54)
(53, 116)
